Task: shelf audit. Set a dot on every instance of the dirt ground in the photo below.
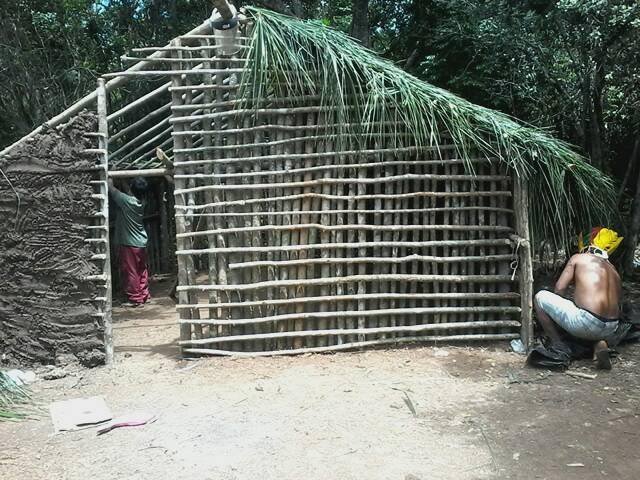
(439, 412)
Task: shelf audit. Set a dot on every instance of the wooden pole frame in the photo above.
(356, 232)
(103, 144)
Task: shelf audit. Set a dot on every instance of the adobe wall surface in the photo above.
(45, 306)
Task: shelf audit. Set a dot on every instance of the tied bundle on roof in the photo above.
(289, 57)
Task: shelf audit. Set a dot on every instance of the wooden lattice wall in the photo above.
(310, 243)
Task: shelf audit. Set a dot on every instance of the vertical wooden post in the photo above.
(164, 227)
(296, 238)
(377, 219)
(192, 261)
(181, 222)
(361, 218)
(521, 211)
(103, 144)
(326, 236)
(211, 222)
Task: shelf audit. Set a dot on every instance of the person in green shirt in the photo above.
(130, 237)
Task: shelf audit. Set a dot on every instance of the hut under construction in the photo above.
(310, 195)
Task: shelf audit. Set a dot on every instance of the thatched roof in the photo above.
(289, 56)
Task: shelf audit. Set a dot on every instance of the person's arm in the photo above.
(566, 278)
(117, 196)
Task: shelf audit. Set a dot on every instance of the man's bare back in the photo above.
(597, 284)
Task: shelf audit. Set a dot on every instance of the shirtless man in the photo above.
(593, 315)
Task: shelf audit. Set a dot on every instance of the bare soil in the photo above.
(415, 413)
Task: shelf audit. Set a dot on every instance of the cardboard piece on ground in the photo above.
(79, 413)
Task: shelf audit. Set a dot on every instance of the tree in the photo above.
(52, 51)
(360, 21)
(569, 65)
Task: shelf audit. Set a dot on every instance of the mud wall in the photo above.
(45, 206)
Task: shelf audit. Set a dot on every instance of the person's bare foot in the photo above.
(602, 355)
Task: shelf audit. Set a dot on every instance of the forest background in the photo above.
(570, 66)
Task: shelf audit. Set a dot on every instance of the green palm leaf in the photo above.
(293, 58)
(14, 399)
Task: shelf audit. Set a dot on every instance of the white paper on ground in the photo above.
(79, 413)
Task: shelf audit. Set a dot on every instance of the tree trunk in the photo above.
(224, 8)
(413, 58)
(598, 152)
(294, 8)
(582, 126)
(630, 169)
(634, 230)
(360, 21)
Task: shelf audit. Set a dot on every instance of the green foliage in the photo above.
(293, 58)
(571, 65)
(14, 399)
(52, 51)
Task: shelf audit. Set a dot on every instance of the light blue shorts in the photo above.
(575, 321)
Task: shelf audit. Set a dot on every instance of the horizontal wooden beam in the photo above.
(183, 60)
(298, 283)
(194, 71)
(343, 181)
(368, 260)
(374, 313)
(310, 156)
(319, 140)
(431, 327)
(149, 172)
(353, 345)
(354, 227)
(482, 296)
(364, 126)
(257, 111)
(321, 246)
(325, 168)
(181, 48)
(203, 87)
(347, 198)
(343, 211)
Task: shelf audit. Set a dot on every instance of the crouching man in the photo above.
(594, 313)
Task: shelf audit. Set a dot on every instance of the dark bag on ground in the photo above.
(554, 357)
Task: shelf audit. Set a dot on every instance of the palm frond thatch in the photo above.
(13, 399)
(289, 57)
